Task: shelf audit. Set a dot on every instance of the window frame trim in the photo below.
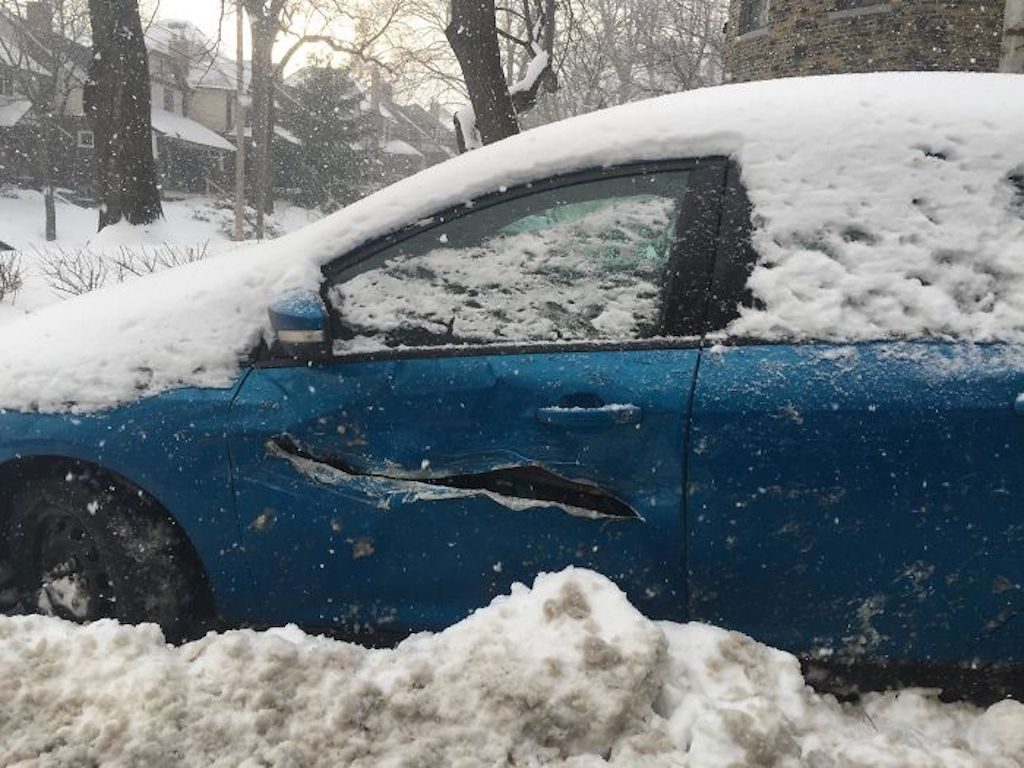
(708, 177)
(859, 11)
(735, 258)
(751, 32)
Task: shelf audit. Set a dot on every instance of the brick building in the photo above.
(783, 38)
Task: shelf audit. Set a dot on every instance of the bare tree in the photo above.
(117, 100)
(608, 52)
(41, 43)
(266, 18)
(472, 33)
(419, 58)
(624, 50)
(497, 101)
(300, 23)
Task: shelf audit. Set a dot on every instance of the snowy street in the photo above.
(567, 673)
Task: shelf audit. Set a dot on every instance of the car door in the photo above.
(861, 501)
(507, 394)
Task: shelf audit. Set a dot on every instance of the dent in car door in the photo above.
(360, 513)
(402, 490)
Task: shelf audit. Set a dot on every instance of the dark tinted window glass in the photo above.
(753, 15)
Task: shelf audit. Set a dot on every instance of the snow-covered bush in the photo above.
(10, 274)
(74, 271)
(143, 261)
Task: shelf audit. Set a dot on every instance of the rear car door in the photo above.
(861, 501)
(507, 394)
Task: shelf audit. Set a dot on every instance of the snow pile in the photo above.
(883, 204)
(567, 673)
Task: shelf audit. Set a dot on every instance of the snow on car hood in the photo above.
(883, 207)
(567, 673)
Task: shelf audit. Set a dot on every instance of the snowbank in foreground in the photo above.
(568, 673)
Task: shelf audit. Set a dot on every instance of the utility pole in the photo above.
(240, 103)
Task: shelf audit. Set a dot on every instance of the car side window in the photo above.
(576, 263)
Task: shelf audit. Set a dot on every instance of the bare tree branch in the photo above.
(509, 36)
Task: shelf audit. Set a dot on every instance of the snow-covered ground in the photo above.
(197, 224)
(567, 673)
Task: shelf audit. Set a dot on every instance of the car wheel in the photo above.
(84, 548)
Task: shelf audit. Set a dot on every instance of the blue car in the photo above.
(756, 353)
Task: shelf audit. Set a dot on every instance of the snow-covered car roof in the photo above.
(883, 207)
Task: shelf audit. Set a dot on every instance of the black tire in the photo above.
(83, 548)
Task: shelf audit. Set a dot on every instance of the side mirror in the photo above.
(300, 324)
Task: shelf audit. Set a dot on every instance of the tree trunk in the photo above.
(51, 212)
(270, 172)
(263, 34)
(45, 158)
(474, 40)
(117, 101)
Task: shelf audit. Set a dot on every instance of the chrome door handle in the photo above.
(617, 413)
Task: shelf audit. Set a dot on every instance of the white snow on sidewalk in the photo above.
(566, 673)
(200, 223)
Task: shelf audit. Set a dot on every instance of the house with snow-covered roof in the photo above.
(400, 139)
(38, 65)
(184, 62)
(191, 156)
(409, 137)
(193, 90)
(193, 93)
(187, 68)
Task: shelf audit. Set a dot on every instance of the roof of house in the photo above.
(186, 129)
(208, 67)
(24, 48)
(434, 131)
(12, 111)
(399, 147)
(279, 131)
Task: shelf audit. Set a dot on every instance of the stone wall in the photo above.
(814, 37)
